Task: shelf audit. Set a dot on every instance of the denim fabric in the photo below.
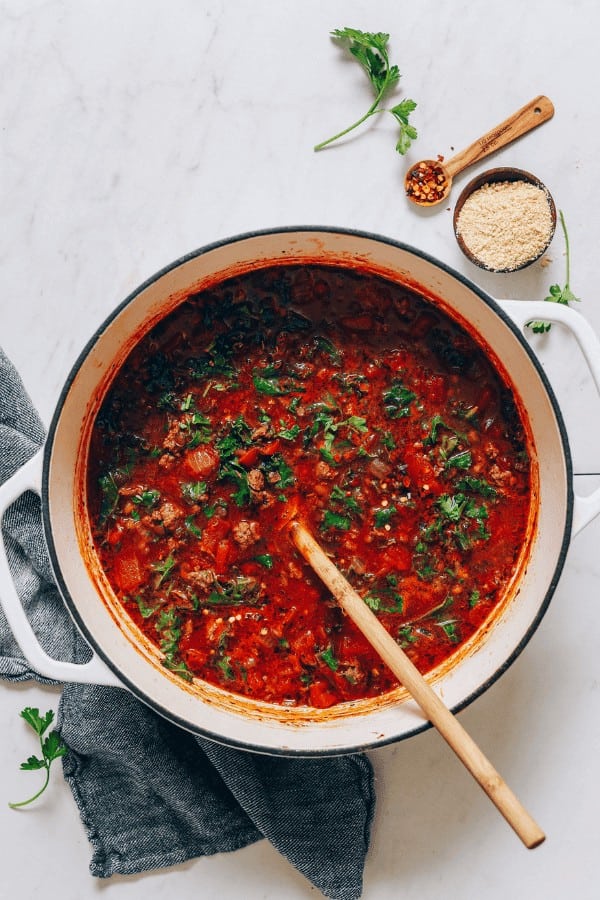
(149, 794)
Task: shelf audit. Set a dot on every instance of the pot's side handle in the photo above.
(521, 312)
(29, 477)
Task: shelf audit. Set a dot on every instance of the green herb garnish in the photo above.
(265, 559)
(168, 625)
(462, 460)
(145, 610)
(329, 659)
(147, 498)
(474, 598)
(436, 423)
(236, 592)
(326, 421)
(385, 588)
(346, 500)
(224, 664)
(288, 434)
(397, 399)
(384, 515)
(193, 491)
(370, 49)
(200, 429)
(187, 403)
(325, 346)
(335, 520)
(109, 485)
(164, 567)
(377, 604)
(477, 485)
(192, 527)
(52, 748)
(557, 294)
(272, 382)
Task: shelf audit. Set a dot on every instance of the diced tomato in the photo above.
(128, 571)
(251, 568)
(196, 659)
(252, 455)
(215, 531)
(249, 457)
(321, 695)
(352, 645)
(358, 323)
(397, 559)
(437, 388)
(398, 360)
(202, 461)
(304, 646)
(271, 448)
(485, 398)
(421, 471)
(114, 534)
(221, 556)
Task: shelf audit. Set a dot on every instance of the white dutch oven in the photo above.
(122, 658)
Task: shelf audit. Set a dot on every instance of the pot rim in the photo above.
(79, 620)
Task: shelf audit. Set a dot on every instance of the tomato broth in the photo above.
(329, 395)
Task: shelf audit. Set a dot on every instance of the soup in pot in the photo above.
(329, 395)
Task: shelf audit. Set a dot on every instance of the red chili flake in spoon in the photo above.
(427, 182)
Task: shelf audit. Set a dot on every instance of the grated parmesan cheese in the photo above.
(505, 224)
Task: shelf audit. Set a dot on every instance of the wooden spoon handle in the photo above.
(525, 119)
(438, 714)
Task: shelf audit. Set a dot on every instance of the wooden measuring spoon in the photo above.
(428, 182)
(407, 673)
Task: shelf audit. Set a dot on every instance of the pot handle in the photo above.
(521, 312)
(29, 477)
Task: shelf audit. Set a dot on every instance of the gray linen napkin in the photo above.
(150, 794)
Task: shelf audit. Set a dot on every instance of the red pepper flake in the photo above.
(427, 181)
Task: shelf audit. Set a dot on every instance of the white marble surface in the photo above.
(133, 132)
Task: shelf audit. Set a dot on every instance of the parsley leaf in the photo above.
(265, 559)
(477, 485)
(288, 434)
(236, 592)
(168, 625)
(397, 399)
(370, 50)
(384, 515)
(51, 746)
(272, 382)
(193, 491)
(461, 460)
(145, 610)
(557, 294)
(148, 498)
(388, 590)
(164, 567)
(408, 133)
(347, 501)
(335, 520)
(329, 659)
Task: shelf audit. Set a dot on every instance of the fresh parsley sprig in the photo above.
(52, 748)
(370, 49)
(557, 294)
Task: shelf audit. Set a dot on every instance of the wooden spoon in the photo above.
(437, 713)
(428, 182)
